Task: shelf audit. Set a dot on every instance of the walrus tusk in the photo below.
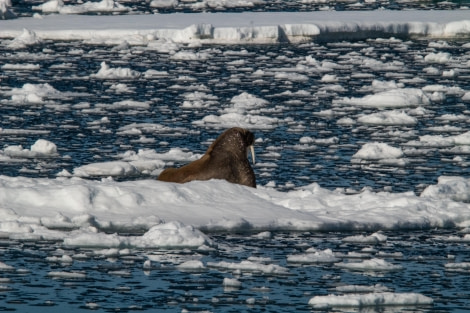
(252, 149)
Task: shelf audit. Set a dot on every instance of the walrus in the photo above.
(226, 158)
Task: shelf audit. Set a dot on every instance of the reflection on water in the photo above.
(306, 131)
(45, 274)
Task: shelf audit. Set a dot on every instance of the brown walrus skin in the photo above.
(225, 159)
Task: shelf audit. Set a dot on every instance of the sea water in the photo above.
(238, 275)
(303, 108)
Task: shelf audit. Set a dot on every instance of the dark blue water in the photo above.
(118, 281)
(281, 157)
(24, 7)
(111, 281)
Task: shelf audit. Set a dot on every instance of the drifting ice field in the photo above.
(362, 142)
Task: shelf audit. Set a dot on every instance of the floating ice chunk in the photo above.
(113, 168)
(64, 259)
(449, 187)
(313, 257)
(263, 235)
(27, 38)
(395, 98)
(372, 299)
(171, 235)
(466, 97)
(199, 99)
(51, 6)
(67, 275)
(165, 235)
(92, 239)
(247, 101)
(362, 289)
(374, 238)
(40, 149)
(238, 120)
(5, 12)
(329, 78)
(174, 154)
(380, 86)
(377, 151)
(149, 74)
(249, 266)
(387, 118)
(457, 267)
(239, 114)
(33, 93)
(372, 265)
(106, 72)
(295, 77)
(230, 3)
(442, 141)
(126, 104)
(190, 56)
(462, 139)
(440, 57)
(231, 283)
(161, 4)
(450, 73)
(432, 141)
(346, 121)
(57, 6)
(44, 147)
(118, 168)
(92, 305)
(448, 90)
(21, 67)
(6, 267)
(191, 266)
(431, 70)
(319, 141)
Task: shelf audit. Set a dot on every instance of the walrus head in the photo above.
(226, 159)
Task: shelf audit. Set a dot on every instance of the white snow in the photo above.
(106, 72)
(376, 151)
(394, 98)
(312, 256)
(232, 282)
(369, 300)
(392, 117)
(192, 266)
(264, 27)
(40, 149)
(243, 112)
(372, 265)
(58, 6)
(67, 275)
(249, 266)
(166, 213)
(374, 238)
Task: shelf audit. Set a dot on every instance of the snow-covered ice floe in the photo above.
(378, 299)
(249, 27)
(89, 213)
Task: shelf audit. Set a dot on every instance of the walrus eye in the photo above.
(252, 150)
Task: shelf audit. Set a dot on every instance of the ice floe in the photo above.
(35, 208)
(266, 27)
(381, 299)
